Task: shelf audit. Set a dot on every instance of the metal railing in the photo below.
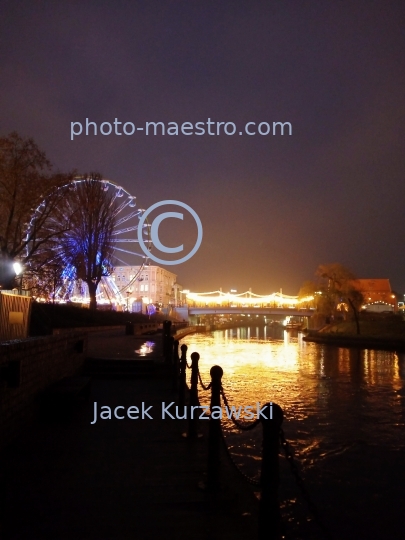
(273, 438)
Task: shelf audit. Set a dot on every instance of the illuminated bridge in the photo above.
(218, 302)
(292, 312)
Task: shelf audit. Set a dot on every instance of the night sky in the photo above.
(272, 207)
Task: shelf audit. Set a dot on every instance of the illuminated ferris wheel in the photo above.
(126, 250)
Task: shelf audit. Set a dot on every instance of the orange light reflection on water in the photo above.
(255, 369)
(344, 410)
(326, 393)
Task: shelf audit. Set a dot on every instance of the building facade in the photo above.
(377, 294)
(154, 285)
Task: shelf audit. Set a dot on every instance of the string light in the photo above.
(246, 298)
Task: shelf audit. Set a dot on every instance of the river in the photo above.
(344, 415)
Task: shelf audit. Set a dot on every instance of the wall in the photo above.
(139, 328)
(181, 313)
(27, 368)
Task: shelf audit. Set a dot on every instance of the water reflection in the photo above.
(344, 415)
(146, 348)
(331, 396)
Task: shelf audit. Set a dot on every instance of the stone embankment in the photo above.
(385, 343)
(27, 368)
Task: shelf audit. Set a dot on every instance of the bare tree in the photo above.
(339, 287)
(88, 246)
(31, 205)
(46, 281)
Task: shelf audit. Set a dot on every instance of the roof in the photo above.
(370, 285)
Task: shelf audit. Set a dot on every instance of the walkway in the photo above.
(115, 345)
(118, 479)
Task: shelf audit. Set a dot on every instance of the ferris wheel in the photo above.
(126, 250)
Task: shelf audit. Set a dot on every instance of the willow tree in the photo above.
(88, 246)
(338, 286)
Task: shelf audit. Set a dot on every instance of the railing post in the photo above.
(182, 378)
(269, 509)
(214, 431)
(169, 350)
(166, 340)
(175, 373)
(129, 328)
(193, 414)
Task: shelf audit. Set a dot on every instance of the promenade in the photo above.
(115, 345)
(66, 478)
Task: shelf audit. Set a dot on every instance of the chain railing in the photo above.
(228, 452)
(271, 418)
(289, 454)
(239, 425)
(243, 427)
(203, 386)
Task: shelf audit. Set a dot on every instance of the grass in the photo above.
(378, 326)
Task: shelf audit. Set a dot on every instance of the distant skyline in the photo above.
(272, 207)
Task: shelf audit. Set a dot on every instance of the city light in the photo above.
(247, 298)
(17, 268)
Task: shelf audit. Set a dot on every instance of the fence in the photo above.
(15, 312)
(270, 418)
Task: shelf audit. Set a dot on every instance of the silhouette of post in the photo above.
(214, 431)
(166, 340)
(182, 377)
(269, 509)
(175, 372)
(193, 413)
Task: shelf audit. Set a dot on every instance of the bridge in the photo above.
(223, 310)
(247, 303)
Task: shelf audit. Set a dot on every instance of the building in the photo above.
(153, 285)
(377, 294)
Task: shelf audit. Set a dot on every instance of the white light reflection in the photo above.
(146, 348)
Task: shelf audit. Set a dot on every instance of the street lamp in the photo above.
(129, 292)
(18, 269)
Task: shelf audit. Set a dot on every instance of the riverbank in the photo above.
(386, 333)
(180, 334)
